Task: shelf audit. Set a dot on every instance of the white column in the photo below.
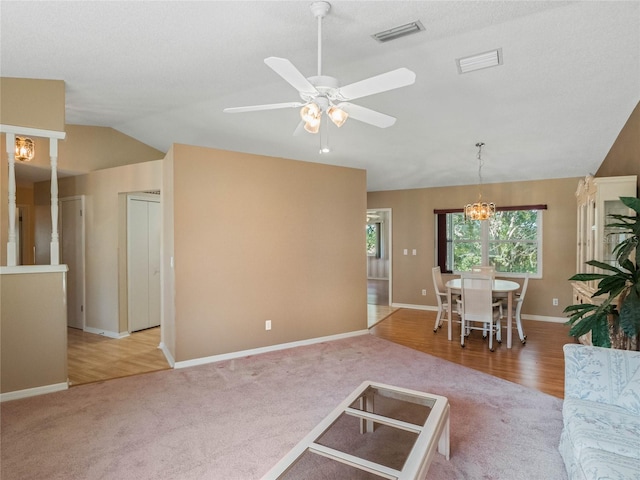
(12, 247)
(55, 245)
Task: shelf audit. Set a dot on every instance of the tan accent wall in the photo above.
(413, 224)
(32, 103)
(624, 156)
(261, 238)
(104, 224)
(33, 334)
(88, 148)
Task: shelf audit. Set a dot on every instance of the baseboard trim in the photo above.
(271, 348)
(32, 392)
(106, 333)
(415, 307)
(543, 318)
(167, 354)
(537, 318)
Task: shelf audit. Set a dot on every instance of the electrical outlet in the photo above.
(555, 302)
(424, 291)
(267, 325)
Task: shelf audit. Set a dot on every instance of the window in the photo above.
(511, 241)
(373, 240)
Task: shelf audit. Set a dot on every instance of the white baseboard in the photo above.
(415, 307)
(32, 392)
(271, 348)
(542, 318)
(106, 333)
(167, 354)
(537, 318)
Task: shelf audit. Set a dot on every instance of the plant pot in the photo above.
(619, 339)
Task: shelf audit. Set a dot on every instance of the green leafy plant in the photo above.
(620, 283)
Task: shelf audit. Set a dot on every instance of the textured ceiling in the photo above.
(162, 72)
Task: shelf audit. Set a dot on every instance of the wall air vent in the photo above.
(397, 32)
(480, 61)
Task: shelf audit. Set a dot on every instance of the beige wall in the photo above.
(260, 238)
(167, 253)
(103, 223)
(624, 156)
(414, 228)
(33, 334)
(32, 103)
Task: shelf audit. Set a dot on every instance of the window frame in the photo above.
(441, 234)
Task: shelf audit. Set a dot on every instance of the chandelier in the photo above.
(479, 210)
(25, 149)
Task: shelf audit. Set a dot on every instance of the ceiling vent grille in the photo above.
(480, 61)
(397, 32)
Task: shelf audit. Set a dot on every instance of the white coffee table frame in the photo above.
(434, 434)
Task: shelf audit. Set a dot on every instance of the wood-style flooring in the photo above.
(539, 364)
(93, 358)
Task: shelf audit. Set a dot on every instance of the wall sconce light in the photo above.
(25, 149)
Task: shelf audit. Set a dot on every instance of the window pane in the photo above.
(515, 225)
(466, 255)
(373, 240)
(471, 230)
(514, 257)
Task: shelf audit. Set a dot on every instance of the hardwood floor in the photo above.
(93, 358)
(539, 364)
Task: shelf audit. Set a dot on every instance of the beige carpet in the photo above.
(235, 419)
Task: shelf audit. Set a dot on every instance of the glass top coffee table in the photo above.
(378, 431)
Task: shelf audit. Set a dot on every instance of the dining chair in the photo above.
(518, 299)
(441, 296)
(479, 311)
(488, 269)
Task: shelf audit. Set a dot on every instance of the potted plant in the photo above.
(616, 321)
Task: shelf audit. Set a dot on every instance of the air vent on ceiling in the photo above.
(480, 61)
(397, 32)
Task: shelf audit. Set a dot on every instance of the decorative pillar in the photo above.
(12, 247)
(55, 244)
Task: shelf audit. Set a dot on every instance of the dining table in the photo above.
(499, 287)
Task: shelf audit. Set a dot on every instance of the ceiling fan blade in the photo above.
(256, 108)
(291, 74)
(367, 115)
(400, 77)
(299, 129)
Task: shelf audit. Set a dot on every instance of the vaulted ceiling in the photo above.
(162, 72)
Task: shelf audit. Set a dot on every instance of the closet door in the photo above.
(143, 262)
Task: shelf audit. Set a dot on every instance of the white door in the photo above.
(72, 254)
(143, 261)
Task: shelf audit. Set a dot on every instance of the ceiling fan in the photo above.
(323, 94)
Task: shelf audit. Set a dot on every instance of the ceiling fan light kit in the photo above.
(323, 94)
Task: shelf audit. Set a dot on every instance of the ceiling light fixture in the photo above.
(479, 210)
(480, 61)
(25, 149)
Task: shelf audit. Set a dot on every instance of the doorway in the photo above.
(72, 246)
(143, 261)
(379, 264)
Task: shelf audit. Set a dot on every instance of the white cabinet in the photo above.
(597, 199)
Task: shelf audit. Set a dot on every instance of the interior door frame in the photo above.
(389, 230)
(145, 197)
(83, 280)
